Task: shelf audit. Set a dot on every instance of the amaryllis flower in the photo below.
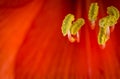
(32, 45)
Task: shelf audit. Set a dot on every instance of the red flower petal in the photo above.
(32, 45)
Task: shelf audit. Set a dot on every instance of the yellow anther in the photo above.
(66, 25)
(113, 11)
(107, 21)
(93, 12)
(76, 26)
(103, 35)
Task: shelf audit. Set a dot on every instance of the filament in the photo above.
(70, 38)
(78, 37)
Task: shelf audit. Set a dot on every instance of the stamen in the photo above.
(104, 33)
(72, 29)
(107, 24)
(93, 13)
